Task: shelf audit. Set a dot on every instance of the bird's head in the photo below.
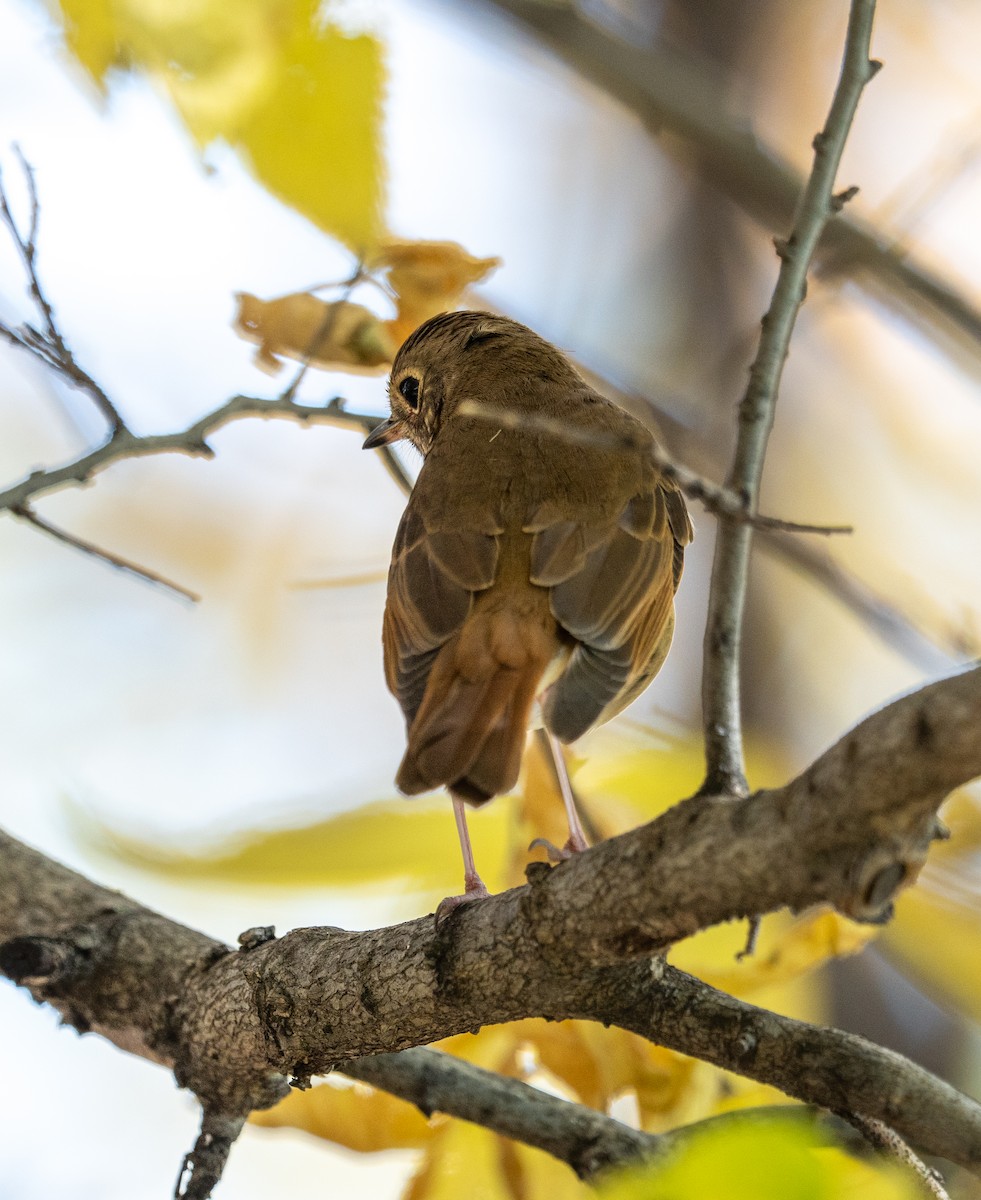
(462, 356)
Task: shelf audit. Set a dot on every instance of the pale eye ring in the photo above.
(409, 390)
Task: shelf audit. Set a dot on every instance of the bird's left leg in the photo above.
(577, 836)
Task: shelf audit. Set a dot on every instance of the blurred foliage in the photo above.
(421, 279)
(760, 1160)
(353, 1116)
(299, 97)
(943, 910)
(625, 781)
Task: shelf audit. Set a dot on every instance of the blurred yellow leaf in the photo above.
(315, 141)
(299, 96)
(787, 949)
(302, 327)
(937, 930)
(759, 1159)
(414, 842)
(465, 1160)
(350, 1115)
(624, 784)
(626, 780)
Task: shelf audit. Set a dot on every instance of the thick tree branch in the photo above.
(725, 768)
(576, 942)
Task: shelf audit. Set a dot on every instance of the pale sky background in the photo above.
(266, 703)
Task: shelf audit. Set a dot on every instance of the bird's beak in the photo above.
(388, 431)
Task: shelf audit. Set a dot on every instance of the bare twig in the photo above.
(721, 501)
(879, 1135)
(191, 441)
(323, 333)
(49, 346)
(725, 768)
(25, 513)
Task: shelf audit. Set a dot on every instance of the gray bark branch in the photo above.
(576, 942)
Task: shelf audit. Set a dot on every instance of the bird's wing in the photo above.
(431, 582)
(612, 588)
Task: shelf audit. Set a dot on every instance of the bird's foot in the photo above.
(575, 845)
(476, 889)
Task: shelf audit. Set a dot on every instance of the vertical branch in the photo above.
(725, 769)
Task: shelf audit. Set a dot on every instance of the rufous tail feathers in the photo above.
(469, 732)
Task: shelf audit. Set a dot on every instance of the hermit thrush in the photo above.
(534, 571)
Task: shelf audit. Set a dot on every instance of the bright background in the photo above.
(125, 711)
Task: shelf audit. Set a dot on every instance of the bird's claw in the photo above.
(555, 855)
(446, 908)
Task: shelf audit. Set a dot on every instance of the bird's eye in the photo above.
(409, 389)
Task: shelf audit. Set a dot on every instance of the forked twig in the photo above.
(725, 766)
(47, 345)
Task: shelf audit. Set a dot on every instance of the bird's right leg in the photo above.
(474, 886)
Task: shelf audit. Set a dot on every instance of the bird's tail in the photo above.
(469, 732)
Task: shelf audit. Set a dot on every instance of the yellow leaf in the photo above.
(937, 930)
(465, 1160)
(315, 141)
(351, 1115)
(414, 842)
(759, 1159)
(300, 97)
(340, 335)
(426, 277)
(628, 780)
(462, 1160)
(90, 34)
(787, 949)
(495, 1047)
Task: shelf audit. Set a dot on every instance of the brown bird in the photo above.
(533, 573)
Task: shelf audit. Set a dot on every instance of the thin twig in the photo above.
(25, 513)
(725, 767)
(879, 1135)
(49, 346)
(190, 441)
(721, 501)
(323, 333)
(204, 1166)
